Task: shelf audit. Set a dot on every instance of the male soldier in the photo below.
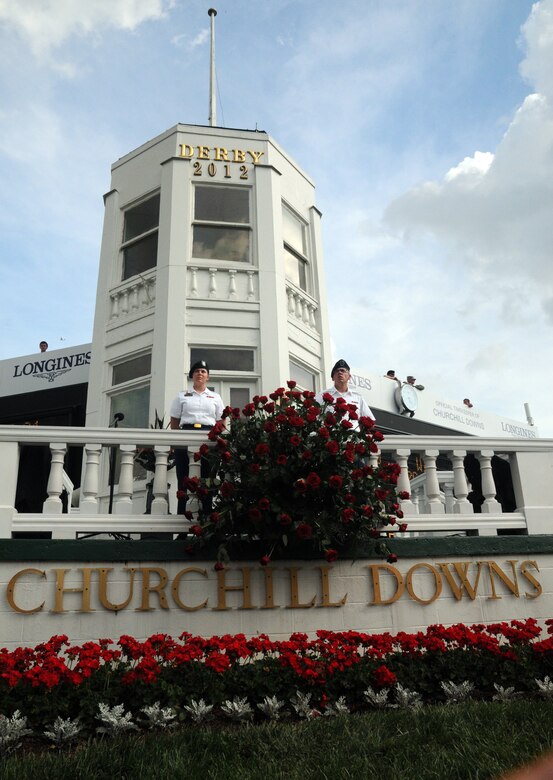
(341, 376)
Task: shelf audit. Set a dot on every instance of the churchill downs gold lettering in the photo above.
(88, 589)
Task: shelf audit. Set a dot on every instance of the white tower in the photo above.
(211, 249)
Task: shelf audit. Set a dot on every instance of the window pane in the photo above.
(223, 359)
(132, 369)
(239, 397)
(140, 257)
(293, 231)
(303, 377)
(141, 218)
(214, 243)
(134, 404)
(294, 268)
(222, 204)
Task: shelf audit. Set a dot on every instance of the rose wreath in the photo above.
(288, 469)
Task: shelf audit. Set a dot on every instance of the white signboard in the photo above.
(45, 370)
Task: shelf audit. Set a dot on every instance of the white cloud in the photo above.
(47, 24)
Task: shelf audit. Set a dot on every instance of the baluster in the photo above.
(212, 283)
(53, 505)
(449, 498)
(232, 283)
(291, 304)
(134, 298)
(114, 306)
(462, 505)
(403, 483)
(123, 504)
(251, 291)
(124, 301)
(304, 312)
(299, 307)
(159, 504)
(89, 489)
(373, 460)
(312, 320)
(152, 291)
(433, 496)
(490, 505)
(194, 281)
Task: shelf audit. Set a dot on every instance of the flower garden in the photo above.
(58, 691)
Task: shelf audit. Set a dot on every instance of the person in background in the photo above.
(341, 376)
(467, 402)
(43, 346)
(411, 381)
(194, 410)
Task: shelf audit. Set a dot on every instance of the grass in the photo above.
(472, 741)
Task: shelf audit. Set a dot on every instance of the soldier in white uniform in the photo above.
(195, 409)
(341, 376)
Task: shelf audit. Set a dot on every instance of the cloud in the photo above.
(493, 210)
(46, 24)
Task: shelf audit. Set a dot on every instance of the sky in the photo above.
(426, 125)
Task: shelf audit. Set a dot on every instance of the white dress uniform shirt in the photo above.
(351, 397)
(191, 407)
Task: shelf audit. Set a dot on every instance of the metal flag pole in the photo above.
(212, 100)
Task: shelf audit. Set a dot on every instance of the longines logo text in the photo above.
(50, 368)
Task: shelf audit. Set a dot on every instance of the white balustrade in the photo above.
(132, 297)
(439, 498)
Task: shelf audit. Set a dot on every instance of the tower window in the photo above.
(140, 232)
(295, 249)
(222, 224)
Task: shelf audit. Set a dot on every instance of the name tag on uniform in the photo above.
(197, 425)
(188, 395)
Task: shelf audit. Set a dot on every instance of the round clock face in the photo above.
(409, 397)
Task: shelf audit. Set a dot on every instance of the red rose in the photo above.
(333, 447)
(347, 424)
(331, 555)
(291, 383)
(367, 510)
(304, 531)
(398, 513)
(265, 560)
(307, 455)
(381, 494)
(284, 519)
(300, 485)
(350, 498)
(392, 558)
(226, 489)
(282, 460)
(366, 422)
(215, 517)
(330, 420)
(295, 441)
(225, 456)
(188, 515)
(353, 416)
(313, 480)
(254, 514)
(403, 527)
(196, 530)
(269, 426)
(262, 449)
(254, 468)
(335, 481)
(347, 515)
(378, 435)
(248, 410)
(328, 398)
(404, 495)
(263, 504)
(324, 433)
(181, 494)
(281, 418)
(297, 422)
(269, 408)
(219, 566)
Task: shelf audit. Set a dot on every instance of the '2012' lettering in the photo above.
(212, 170)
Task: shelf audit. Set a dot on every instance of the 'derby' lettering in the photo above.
(220, 154)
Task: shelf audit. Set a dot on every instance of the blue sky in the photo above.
(426, 125)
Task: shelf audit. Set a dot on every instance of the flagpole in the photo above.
(212, 99)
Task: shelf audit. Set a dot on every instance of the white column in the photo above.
(123, 503)
(403, 483)
(159, 504)
(490, 505)
(462, 505)
(53, 505)
(9, 457)
(434, 504)
(89, 489)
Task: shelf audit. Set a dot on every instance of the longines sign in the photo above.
(88, 589)
(56, 368)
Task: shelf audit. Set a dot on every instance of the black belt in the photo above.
(195, 427)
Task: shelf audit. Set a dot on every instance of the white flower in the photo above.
(503, 694)
(406, 698)
(272, 707)
(237, 709)
(457, 692)
(159, 718)
(11, 731)
(339, 707)
(545, 686)
(378, 700)
(63, 731)
(114, 720)
(301, 703)
(198, 710)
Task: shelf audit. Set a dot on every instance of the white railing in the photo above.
(438, 502)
